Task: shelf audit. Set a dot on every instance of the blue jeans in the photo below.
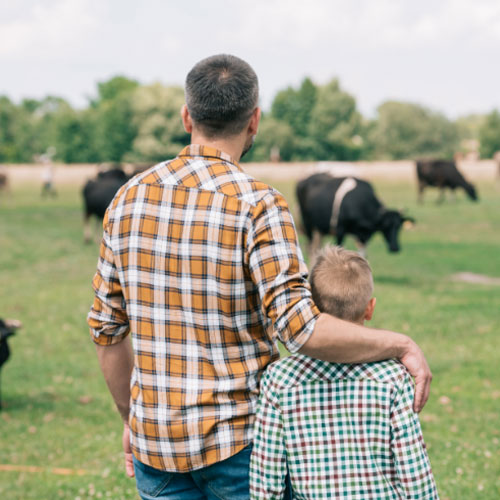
(226, 480)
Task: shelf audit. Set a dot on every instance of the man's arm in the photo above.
(116, 362)
(279, 273)
(343, 342)
(109, 328)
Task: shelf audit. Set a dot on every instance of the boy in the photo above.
(341, 430)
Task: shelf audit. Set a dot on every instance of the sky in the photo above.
(439, 53)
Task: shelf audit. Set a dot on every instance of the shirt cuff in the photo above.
(109, 337)
(295, 343)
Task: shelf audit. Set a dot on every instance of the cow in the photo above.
(442, 174)
(345, 205)
(98, 193)
(7, 328)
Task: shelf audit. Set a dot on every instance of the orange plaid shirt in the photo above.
(201, 264)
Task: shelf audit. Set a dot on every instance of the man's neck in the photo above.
(233, 146)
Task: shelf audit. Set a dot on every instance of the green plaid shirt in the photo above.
(345, 431)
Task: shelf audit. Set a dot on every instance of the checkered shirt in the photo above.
(201, 263)
(344, 430)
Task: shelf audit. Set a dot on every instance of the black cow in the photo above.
(442, 174)
(98, 193)
(345, 205)
(7, 328)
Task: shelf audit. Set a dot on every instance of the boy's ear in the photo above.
(370, 308)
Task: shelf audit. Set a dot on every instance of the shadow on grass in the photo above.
(14, 403)
(392, 280)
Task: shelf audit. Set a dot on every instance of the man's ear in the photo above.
(370, 308)
(253, 125)
(186, 119)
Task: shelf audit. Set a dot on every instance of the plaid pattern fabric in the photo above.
(346, 431)
(201, 263)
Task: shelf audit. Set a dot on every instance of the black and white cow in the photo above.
(442, 174)
(98, 193)
(7, 328)
(345, 205)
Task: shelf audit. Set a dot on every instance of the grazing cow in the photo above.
(442, 174)
(98, 193)
(7, 328)
(345, 205)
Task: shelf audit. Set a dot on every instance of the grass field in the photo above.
(58, 413)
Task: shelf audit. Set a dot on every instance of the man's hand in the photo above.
(129, 464)
(414, 360)
(340, 341)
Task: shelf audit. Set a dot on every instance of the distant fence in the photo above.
(397, 171)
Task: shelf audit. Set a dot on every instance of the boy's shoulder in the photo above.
(299, 369)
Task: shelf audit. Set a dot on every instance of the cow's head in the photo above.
(471, 191)
(390, 223)
(7, 328)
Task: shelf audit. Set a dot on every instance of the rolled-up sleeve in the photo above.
(107, 318)
(279, 272)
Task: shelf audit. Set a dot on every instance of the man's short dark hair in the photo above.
(222, 92)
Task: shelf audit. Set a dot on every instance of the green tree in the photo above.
(111, 119)
(9, 125)
(74, 141)
(160, 133)
(295, 107)
(111, 89)
(489, 135)
(336, 124)
(407, 130)
(272, 134)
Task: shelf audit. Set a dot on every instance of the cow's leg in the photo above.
(361, 248)
(98, 230)
(441, 195)
(87, 232)
(421, 187)
(314, 246)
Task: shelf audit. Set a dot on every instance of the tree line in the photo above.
(130, 122)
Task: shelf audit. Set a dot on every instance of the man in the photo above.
(201, 264)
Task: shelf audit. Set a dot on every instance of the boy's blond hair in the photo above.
(342, 283)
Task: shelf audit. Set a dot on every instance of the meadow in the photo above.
(60, 436)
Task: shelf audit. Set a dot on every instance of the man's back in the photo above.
(345, 431)
(185, 242)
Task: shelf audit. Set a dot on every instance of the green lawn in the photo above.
(58, 413)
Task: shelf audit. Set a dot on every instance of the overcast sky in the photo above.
(441, 53)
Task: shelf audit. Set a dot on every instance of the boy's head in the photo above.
(342, 284)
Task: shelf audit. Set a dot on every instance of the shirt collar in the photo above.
(207, 152)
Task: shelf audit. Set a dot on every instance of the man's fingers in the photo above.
(422, 390)
(129, 462)
(129, 465)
